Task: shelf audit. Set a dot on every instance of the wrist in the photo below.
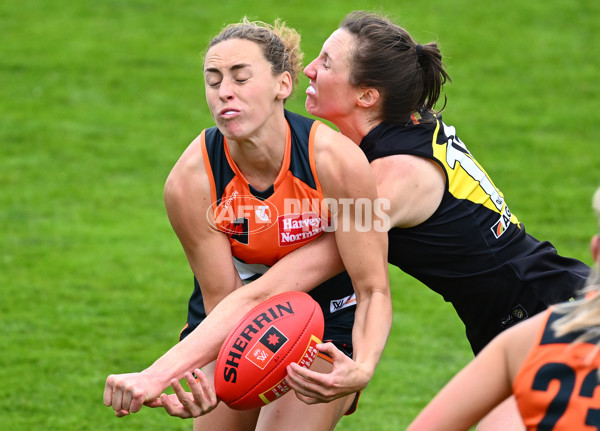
(157, 377)
(367, 370)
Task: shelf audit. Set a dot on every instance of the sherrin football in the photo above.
(251, 366)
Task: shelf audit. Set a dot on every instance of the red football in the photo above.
(250, 370)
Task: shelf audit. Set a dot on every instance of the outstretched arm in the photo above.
(302, 269)
(361, 237)
(209, 254)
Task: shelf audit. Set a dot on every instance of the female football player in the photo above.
(251, 190)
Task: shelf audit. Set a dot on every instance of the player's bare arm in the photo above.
(413, 185)
(347, 178)
(207, 251)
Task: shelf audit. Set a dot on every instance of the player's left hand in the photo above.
(182, 404)
(312, 387)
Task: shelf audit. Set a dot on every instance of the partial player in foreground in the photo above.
(550, 363)
(245, 194)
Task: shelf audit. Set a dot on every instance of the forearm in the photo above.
(369, 273)
(372, 325)
(303, 270)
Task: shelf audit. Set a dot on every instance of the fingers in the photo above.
(329, 349)
(313, 387)
(172, 406)
(182, 404)
(125, 393)
(202, 391)
(108, 391)
(114, 395)
(310, 386)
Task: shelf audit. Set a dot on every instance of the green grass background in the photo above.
(98, 99)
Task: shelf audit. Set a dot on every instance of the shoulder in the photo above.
(337, 157)
(405, 166)
(332, 144)
(189, 174)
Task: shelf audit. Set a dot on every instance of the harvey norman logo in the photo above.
(297, 228)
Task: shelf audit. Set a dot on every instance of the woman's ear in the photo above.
(285, 86)
(368, 97)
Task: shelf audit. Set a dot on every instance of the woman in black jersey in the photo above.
(451, 226)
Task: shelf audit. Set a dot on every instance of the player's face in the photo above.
(241, 90)
(330, 95)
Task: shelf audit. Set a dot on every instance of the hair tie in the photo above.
(420, 50)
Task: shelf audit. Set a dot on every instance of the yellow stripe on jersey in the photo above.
(466, 177)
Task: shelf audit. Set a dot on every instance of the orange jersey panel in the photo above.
(263, 226)
(556, 387)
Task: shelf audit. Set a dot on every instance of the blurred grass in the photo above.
(99, 99)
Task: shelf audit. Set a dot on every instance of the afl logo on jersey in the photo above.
(239, 215)
(263, 213)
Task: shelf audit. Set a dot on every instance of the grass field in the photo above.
(98, 99)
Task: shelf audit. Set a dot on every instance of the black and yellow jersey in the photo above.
(472, 250)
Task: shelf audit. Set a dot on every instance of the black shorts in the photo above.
(519, 288)
(335, 296)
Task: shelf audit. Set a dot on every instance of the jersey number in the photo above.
(565, 375)
(456, 151)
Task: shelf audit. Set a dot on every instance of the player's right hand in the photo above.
(127, 393)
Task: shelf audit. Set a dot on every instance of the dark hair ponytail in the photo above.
(429, 58)
(409, 76)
